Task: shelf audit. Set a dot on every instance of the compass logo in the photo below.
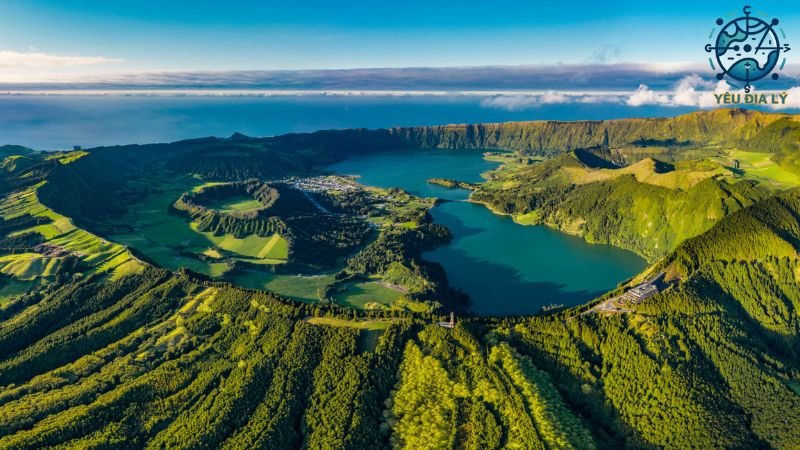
(747, 49)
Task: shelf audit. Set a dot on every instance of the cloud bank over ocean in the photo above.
(572, 77)
(512, 88)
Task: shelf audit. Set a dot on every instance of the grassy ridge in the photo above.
(64, 241)
(234, 368)
(649, 207)
(692, 133)
(151, 358)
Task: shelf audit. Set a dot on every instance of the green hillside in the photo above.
(687, 136)
(134, 312)
(164, 360)
(648, 207)
(169, 215)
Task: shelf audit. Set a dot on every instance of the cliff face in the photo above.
(547, 138)
(240, 157)
(649, 206)
(621, 142)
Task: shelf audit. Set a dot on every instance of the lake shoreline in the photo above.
(515, 218)
(532, 266)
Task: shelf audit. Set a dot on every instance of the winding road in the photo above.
(611, 305)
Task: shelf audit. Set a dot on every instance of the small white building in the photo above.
(641, 292)
(450, 324)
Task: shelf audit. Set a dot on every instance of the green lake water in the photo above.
(506, 268)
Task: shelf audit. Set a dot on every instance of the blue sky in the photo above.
(93, 36)
(553, 52)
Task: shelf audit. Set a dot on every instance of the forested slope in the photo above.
(165, 360)
(549, 138)
(643, 208)
(112, 352)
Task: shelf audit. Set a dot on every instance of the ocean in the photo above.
(531, 267)
(57, 122)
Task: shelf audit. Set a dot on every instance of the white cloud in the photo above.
(551, 97)
(14, 60)
(707, 99)
(792, 99)
(521, 101)
(646, 96)
(686, 93)
(601, 98)
(693, 90)
(36, 73)
(511, 102)
(525, 101)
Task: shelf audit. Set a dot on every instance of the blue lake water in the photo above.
(505, 268)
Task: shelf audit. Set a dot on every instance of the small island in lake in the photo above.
(452, 184)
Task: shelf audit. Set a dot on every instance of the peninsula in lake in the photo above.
(628, 283)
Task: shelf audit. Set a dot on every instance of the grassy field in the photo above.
(237, 203)
(530, 218)
(170, 241)
(100, 255)
(29, 266)
(684, 176)
(199, 187)
(270, 247)
(27, 269)
(69, 157)
(361, 295)
(213, 253)
(12, 287)
(760, 167)
(167, 238)
(403, 203)
(297, 287)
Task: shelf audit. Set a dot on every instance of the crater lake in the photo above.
(505, 268)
